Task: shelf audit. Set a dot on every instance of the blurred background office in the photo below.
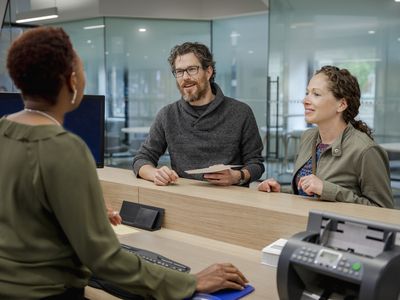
(266, 51)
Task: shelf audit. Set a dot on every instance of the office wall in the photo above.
(87, 37)
(242, 60)
(138, 73)
(180, 9)
(360, 35)
(71, 10)
(136, 77)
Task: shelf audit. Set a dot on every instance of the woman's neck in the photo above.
(53, 110)
(330, 132)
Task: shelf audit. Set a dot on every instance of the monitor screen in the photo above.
(87, 120)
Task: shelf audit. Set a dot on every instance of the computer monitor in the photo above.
(87, 120)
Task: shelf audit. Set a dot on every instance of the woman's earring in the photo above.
(74, 97)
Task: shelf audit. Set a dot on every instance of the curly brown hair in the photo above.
(201, 51)
(39, 61)
(343, 85)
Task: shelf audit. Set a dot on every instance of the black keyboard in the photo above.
(156, 258)
(149, 256)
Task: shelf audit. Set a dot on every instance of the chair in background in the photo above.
(291, 145)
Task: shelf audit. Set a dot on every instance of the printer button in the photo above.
(356, 266)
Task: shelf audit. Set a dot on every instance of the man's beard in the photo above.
(198, 94)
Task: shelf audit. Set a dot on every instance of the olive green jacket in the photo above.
(353, 169)
(54, 230)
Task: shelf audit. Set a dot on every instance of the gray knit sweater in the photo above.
(226, 133)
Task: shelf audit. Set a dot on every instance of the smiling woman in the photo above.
(338, 160)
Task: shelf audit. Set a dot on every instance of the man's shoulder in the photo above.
(236, 104)
(171, 107)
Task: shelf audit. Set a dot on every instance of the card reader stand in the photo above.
(340, 257)
(141, 216)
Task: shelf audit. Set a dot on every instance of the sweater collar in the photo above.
(219, 98)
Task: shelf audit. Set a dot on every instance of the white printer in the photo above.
(339, 257)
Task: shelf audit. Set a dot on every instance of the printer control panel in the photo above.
(340, 257)
(328, 259)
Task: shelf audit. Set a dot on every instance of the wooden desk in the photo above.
(198, 253)
(236, 215)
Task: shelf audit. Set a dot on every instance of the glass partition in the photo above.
(362, 36)
(242, 61)
(139, 79)
(7, 34)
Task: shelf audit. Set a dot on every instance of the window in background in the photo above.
(139, 79)
(304, 35)
(242, 60)
(87, 36)
(8, 33)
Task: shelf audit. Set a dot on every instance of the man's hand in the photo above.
(269, 185)
(220, 276)
(225, 178)
(161, 176)
(164, 176)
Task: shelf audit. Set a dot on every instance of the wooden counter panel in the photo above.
(232, 223)
(233, 214)
(115, 193)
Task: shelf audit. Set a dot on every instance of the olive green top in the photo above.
(54, 229)
(353, 169)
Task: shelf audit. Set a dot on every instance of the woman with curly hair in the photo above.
(338, 160)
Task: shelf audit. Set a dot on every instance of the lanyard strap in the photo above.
(314, 160)
(314, 156)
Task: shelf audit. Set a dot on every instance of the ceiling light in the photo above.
(94, 27)
(371, 31)
(142, 29)
(396, 0)
(37, 15)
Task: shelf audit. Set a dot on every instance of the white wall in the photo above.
(164, 9)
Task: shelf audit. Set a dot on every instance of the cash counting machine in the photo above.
(339, 257)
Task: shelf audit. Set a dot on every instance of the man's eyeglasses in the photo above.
(192, 70)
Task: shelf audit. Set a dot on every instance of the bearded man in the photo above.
(202, 129)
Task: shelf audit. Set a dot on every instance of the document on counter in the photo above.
(122, 229)
(212, 169)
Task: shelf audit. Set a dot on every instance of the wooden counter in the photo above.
(236, 215)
